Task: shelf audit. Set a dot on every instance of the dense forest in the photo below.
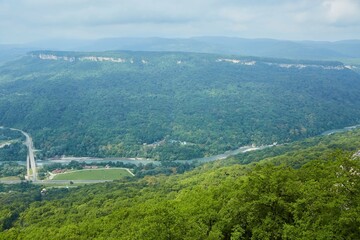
(11, 146)
(304, 190)
(169, 106)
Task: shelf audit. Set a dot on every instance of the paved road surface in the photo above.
(31, 157)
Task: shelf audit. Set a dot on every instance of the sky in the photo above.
(23, 21)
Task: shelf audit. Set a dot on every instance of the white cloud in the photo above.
(342, 11)
(25, 20)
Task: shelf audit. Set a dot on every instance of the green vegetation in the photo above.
(140, 170)
(93, 174)
(13, 152)
(16, 151)
(14, 199)
(9, 178)
(11, 169)
(319, 199)
(297, 153)
(269, 203)
(171, 106)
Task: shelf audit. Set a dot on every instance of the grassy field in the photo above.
(9, 178)
(94, 174)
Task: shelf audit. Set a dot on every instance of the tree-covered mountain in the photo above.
(167, 105)
(319, 199)
(221, 45)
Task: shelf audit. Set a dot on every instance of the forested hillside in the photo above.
(171, 105)
(319, 199)
(11, 145)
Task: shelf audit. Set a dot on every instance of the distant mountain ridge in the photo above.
(249, 61)
(346, 49)
(229, 45)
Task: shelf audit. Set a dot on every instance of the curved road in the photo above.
(30, 161)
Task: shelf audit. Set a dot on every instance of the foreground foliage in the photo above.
(320, 200)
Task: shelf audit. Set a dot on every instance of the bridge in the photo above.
(30, 159)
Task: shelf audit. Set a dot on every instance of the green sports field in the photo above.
(94, 174)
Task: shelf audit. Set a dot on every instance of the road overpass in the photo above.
(30, 159)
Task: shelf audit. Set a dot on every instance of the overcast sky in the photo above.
(31, 20)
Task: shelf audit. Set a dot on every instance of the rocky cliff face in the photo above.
(244, 62)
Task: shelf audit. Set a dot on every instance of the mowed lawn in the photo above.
(94, 174)
(9, 178)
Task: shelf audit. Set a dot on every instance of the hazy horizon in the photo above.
(80, 40)
(27, 21)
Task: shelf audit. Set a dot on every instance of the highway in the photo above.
(30, 160)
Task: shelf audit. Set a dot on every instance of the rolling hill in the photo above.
(171, 105)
